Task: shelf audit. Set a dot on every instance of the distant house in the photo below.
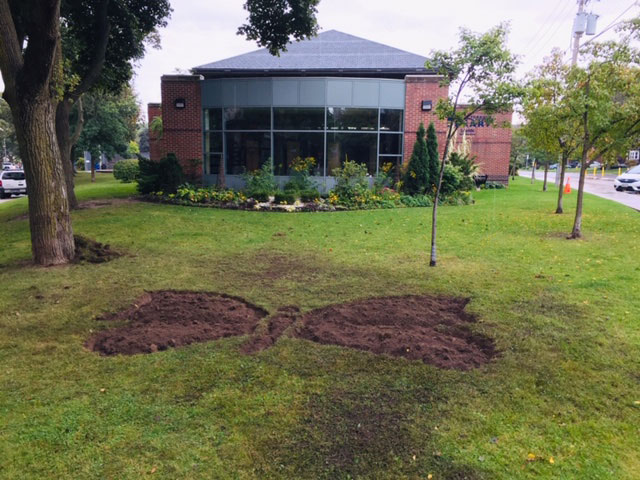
(333, 97)
(633, 157)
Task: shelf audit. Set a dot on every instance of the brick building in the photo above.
(333, 97)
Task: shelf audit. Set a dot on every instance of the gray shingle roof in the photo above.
(329, 51)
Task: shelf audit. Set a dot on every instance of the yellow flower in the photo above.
(551, 460)
(413, 174)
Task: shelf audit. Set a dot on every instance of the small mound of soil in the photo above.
(432, 329)
(276, 327)
(163, 319)
(90, 251)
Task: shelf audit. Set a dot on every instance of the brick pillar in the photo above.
(417, 89)
(492, 146)
(182, 121)
(156, 147)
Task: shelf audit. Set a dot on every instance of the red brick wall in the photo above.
(417, 89)
(182, 128)
(156, 147)
(491, 145)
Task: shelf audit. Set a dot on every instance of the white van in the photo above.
(12, 182)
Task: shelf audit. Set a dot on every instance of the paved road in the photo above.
(599, 186)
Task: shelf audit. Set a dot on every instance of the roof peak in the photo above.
(329, 50)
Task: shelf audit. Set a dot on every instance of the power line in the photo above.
(545, 24)
(558, 21)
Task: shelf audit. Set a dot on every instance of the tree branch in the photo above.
(103, 28)
(11, 60)
(80, 124)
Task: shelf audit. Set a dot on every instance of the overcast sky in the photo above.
(202, 31)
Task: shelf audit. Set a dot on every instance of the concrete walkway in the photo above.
(599, 186)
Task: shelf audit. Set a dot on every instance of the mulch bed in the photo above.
(163, 319)
(434, 330)
(90, 251)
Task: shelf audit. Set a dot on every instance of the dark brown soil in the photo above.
(434, 330)
(90, 251)
(165, 319)
(276, 327)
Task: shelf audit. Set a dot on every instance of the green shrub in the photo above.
(351, 180)
(80, 163)
(494, 185)
(457, 198)
(284, 198)
(451, 180)
(467, 167)
(165, 175)
(261, 196)
(422, 170)
(310, 195)
(260, 181)
(126, 170)
(416, 200)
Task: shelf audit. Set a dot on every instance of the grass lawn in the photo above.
(561, 401)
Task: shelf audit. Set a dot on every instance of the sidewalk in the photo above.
(599, 186)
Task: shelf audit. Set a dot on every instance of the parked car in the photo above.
(7, 166)
(574, 164)
(595, 164)
(553, 166)
(12, 182)
(629, 181)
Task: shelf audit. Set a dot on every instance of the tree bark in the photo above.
(546, 173)
(49, 221)
(563, 168)
(434, 217)
(222, 178)
(576, 232)
(63, 135)
(533, 171)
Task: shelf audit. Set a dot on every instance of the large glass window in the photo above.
(213, 119)
(358, 147)
(390, 143)
(287, 146)
(246, 151)
(391, 120)
(213, 142)
(247, 118)
(339, 118)
(212, 163)
(298, 118)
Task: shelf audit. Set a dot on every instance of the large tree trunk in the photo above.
(63, 134)
(563, 168)
(51, 234)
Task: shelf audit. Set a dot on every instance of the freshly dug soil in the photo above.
(432, 329)
(90, 251)
(164, 319)
(276, 327)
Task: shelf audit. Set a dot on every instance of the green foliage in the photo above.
(310, 195)
(494, 186)
(351, 180)
(274, 23)
(300, 170)
(7, 131)
(433, 159)
(451, 180)
(284, 198)
(205, 195)
(467, 167)
(126, 170)
(417, 177)
(261, 181)
(134, 148)
(416, 200)
(384, 178)
(155, 126)
(111, 123)
(163, 176)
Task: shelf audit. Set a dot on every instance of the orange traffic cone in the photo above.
(567, 187)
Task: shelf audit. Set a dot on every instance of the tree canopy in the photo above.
(274, 23)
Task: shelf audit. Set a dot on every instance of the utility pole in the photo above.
(577, 34)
